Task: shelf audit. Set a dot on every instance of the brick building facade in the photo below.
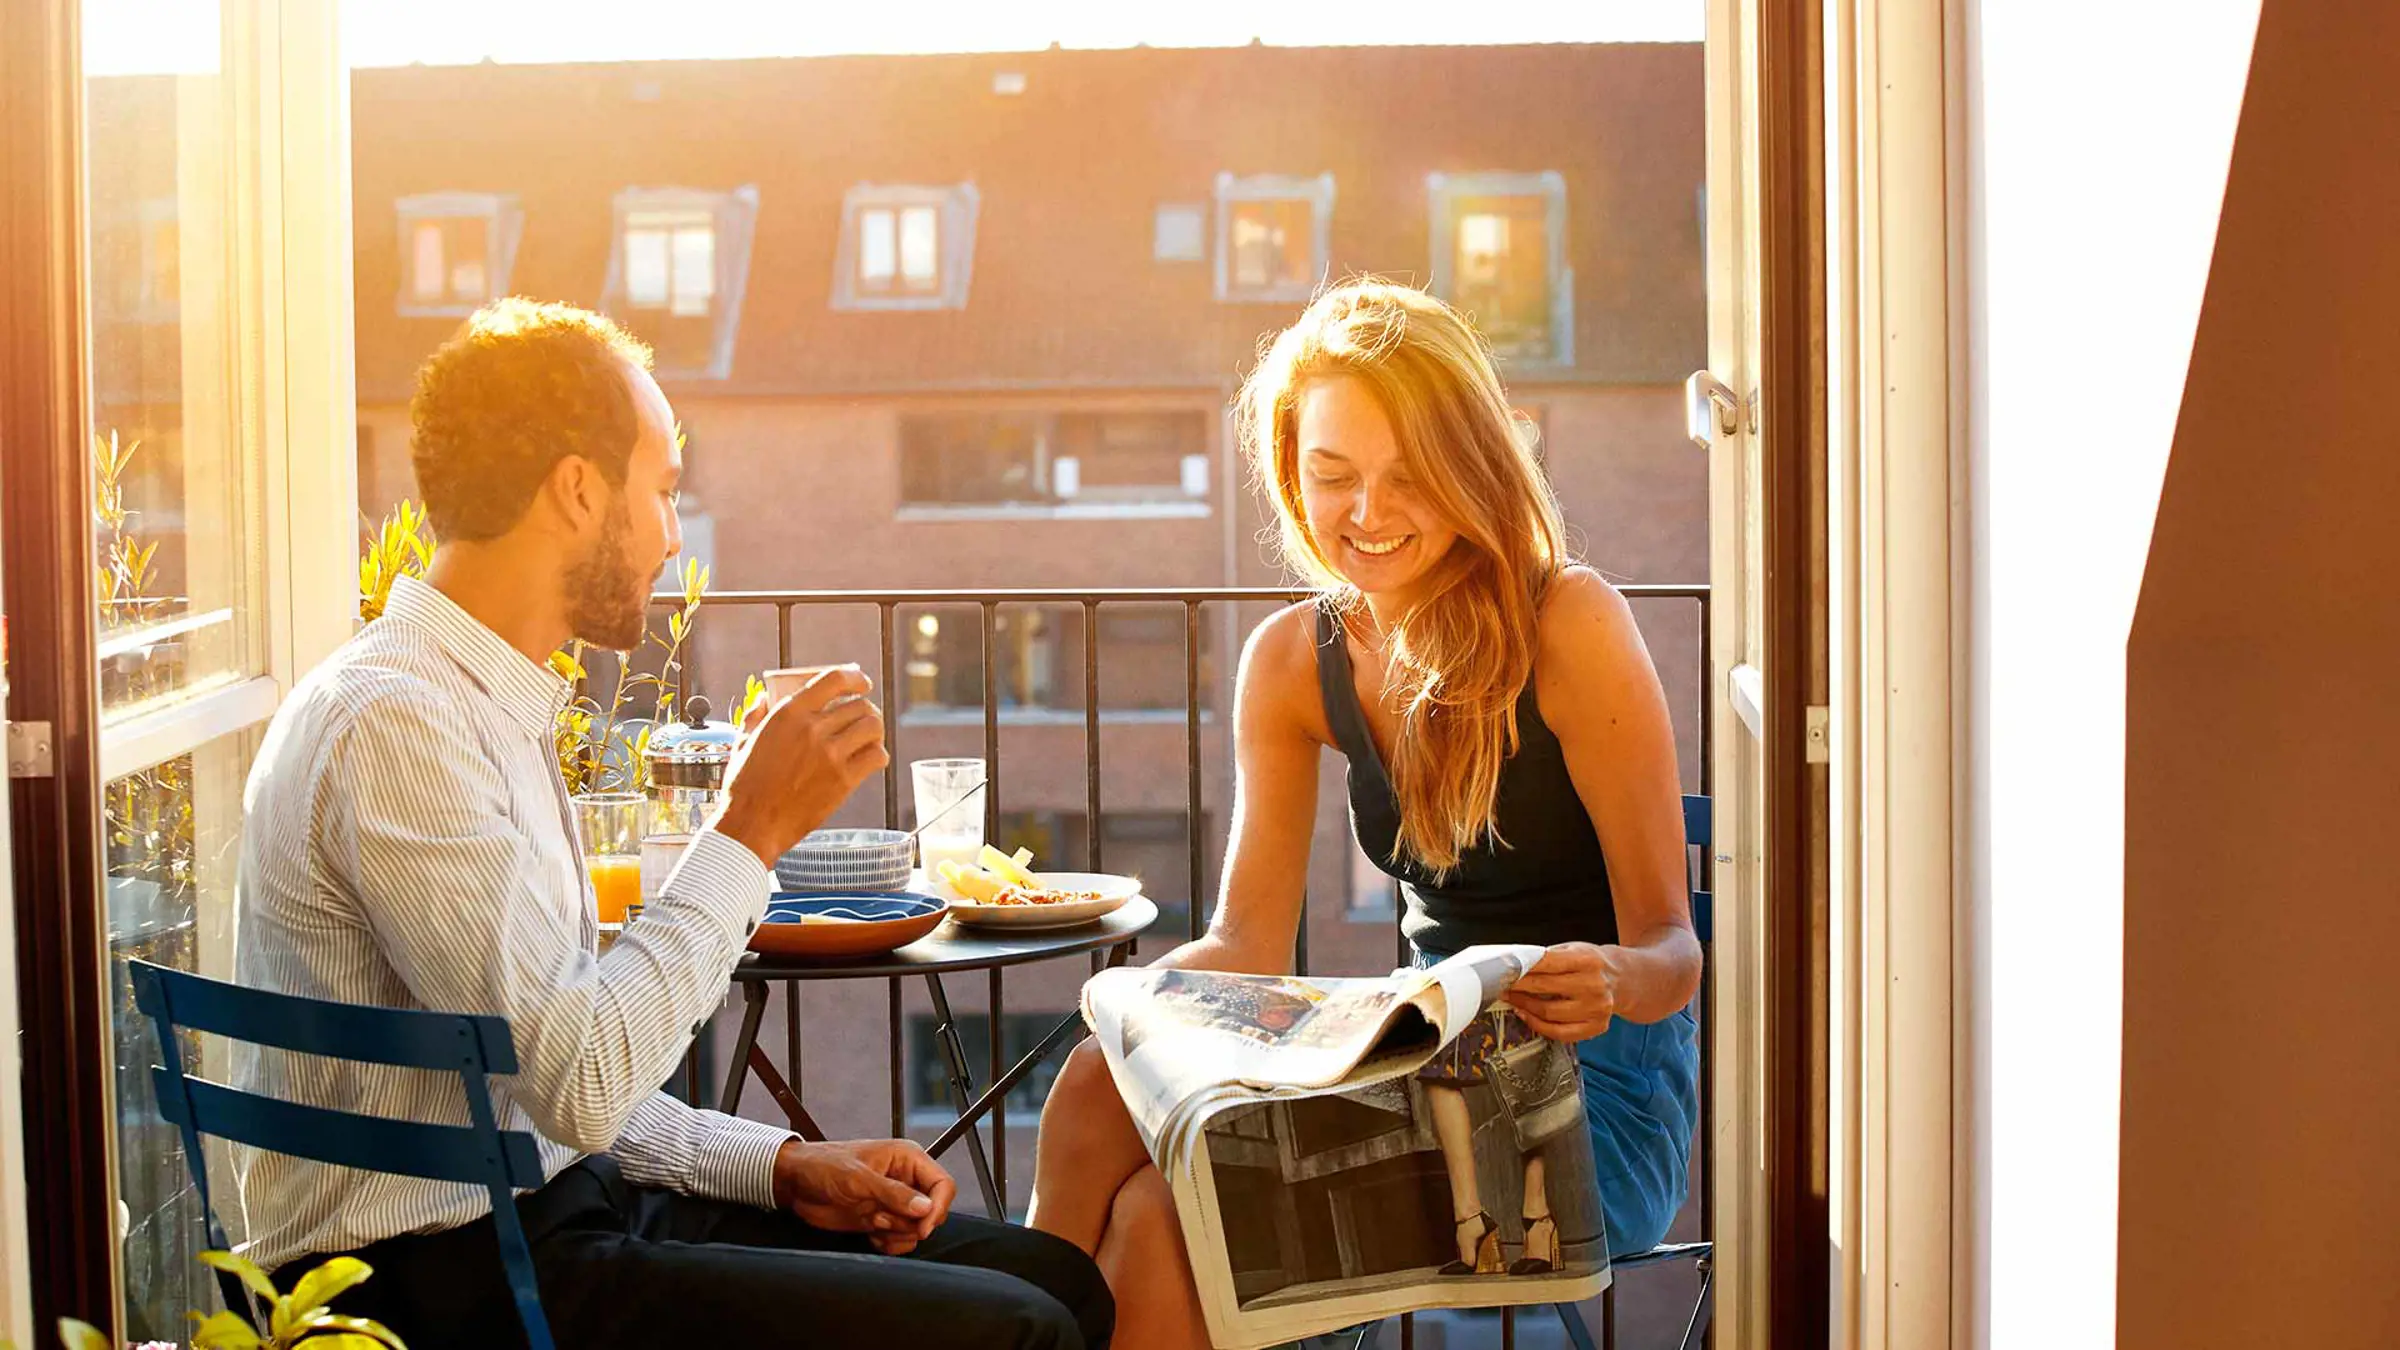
(973, 321)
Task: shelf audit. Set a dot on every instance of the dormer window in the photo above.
(456, 249)
(905, 247)
(1274, 236)
(677, 273)
(1499, 255)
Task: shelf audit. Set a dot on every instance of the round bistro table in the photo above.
(952, 949)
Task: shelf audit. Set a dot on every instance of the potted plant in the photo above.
(303, 1317)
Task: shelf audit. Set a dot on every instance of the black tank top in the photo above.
(1546, 885)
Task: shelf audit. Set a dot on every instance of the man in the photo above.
(409, 845)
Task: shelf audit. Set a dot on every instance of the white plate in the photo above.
(1112, 892)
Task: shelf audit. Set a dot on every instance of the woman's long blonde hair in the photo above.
(1459, 658)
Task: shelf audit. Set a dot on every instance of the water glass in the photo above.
(948, 787)
(610, 826)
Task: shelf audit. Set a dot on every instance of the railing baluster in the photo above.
(1093, 833)
(791, 1038)
(991, 724)
(1191, 750)
(899, 1105)
(1508, 1329)
(783, 637)
(891, 725)
(1608, 1316)
(997, 1001)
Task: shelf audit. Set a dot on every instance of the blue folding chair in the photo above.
(1699, 833)
(473, 1047)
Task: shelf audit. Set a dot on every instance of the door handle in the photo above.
(1711, 409)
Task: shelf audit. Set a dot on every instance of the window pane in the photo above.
(425, 263)
(174, 543)
(646, 267)
(971, 458)
(919, 260)
(695, 264)
(1273, 244)
(1501, 271)
(878, 249)
(173, 837)
(468, 241)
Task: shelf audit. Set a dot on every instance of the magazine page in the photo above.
(1169, 1033)
(1465, 1181)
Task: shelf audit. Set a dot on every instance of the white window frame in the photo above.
(735, 214)
(1234, 190)
(1442, 192)
(504, 224)
(956, 206)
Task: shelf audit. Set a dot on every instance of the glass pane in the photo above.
(173, 836)
(695, 264)
(646, 267)
(469, 243)
(175, 542)
(919, 261)
(1502, 270)
(425, 263)
(878, 251)
(1274, 244)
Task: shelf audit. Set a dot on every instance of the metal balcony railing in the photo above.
(989, 604)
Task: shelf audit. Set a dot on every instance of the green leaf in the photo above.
(242, 1268)
(80, 1335)
(224, 1331)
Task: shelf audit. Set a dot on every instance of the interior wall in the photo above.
(2261, 1185)
(2096, 138)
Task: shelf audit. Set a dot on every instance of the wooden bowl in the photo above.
(863, 923)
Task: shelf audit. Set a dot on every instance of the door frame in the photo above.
(54, 821)
(1768, 573)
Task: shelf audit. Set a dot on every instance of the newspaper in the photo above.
(1324, 1136)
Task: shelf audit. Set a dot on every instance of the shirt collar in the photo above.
(528, 694)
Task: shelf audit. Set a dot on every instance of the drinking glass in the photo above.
(947, 787)
(610, 826)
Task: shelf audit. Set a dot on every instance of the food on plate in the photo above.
(999, 878)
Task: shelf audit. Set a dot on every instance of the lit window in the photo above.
(677, 273)
(1499, 256)
(455, 251)
(1274, 236)
(905, 247)
(671, 261)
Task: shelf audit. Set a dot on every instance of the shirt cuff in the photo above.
(736, 1162)
(725, 878)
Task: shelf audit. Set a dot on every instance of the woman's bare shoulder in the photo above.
(1279, 672)
(1587, 643)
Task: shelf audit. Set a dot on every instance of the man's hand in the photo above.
(1570, 994)
(805, 759)
(888, 1189)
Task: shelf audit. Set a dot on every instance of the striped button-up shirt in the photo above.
(409, 843)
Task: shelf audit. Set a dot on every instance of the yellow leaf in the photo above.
(81, 1335)
(568, 667)
(359, 1332)
(321, 1286)
(225, 1331)
(242, 1268)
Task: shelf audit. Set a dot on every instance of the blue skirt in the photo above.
(1641, 1099)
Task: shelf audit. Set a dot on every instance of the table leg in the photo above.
(961, 1088)
(754, 1010)
(803, 1124)
(998, 1092)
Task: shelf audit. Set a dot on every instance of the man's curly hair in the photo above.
(521, 386)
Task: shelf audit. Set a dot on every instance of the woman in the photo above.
(1510, 761)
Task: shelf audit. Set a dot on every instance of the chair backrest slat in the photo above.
(404, 1037)
(370, 1143)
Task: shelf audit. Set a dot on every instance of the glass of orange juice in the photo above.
(610, 826)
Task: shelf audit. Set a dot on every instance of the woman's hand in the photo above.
(886, 1188)
(1571, 993)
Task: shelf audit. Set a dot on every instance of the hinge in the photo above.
(29, 750)
(1820, 734)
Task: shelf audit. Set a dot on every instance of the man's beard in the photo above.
(607, 602)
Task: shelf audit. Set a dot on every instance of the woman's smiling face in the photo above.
(1364, 509)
